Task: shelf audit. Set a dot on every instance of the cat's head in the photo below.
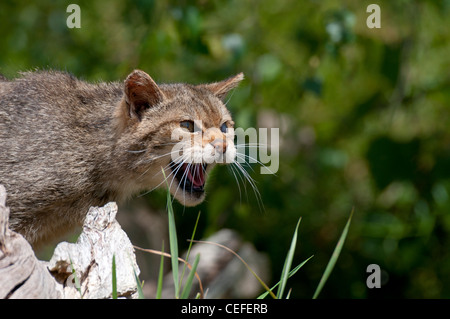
(179, 128)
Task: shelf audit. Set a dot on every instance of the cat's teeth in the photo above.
(192, 173)
(196, 175)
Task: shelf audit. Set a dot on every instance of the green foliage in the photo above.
(188, 285)
(139, 285)
(363, 117)
(288, 263)
(173, 238)
(114, 277)
(76, 280)
(160, 276)
(173, 241)
(333, 259)
(291, 273)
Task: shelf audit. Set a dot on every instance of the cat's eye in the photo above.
(189, 125)
(224, 128)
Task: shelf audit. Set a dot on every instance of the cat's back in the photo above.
(50, 120)
(35, 87)
(56, 93)
(29, 100)
(38, 104)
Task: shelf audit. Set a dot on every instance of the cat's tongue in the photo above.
(195, 174)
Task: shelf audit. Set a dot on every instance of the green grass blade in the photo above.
(289, 294)
(288, 263)
(190, 278)
(190, 246)
(242, 260)
(333, 258)
(160, 276)
(76, 279)
(139, 286)
(173, 241)
(173, 245)
(114, 278)
(291, 273)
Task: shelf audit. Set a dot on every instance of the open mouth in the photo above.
(191, 177)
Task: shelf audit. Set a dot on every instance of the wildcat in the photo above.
(66, 144)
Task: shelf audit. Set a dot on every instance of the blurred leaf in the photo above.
(391, 160)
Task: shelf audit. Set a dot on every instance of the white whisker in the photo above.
(179, 168)
(243, 157)
(252, 183)
(231, 168)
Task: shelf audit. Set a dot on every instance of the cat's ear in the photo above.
(221, 89)
(141, 93)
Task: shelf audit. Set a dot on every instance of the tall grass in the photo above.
(333, 258)
(114, 278)
(288, 263)
(173, 244)
(287, 272)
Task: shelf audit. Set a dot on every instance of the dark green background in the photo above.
(363, 115)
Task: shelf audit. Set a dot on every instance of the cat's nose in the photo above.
(219, 145)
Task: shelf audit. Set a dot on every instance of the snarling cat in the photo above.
(66, 144)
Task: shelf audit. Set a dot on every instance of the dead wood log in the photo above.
(87, 262)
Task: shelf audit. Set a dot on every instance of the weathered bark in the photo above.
(22, 275)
